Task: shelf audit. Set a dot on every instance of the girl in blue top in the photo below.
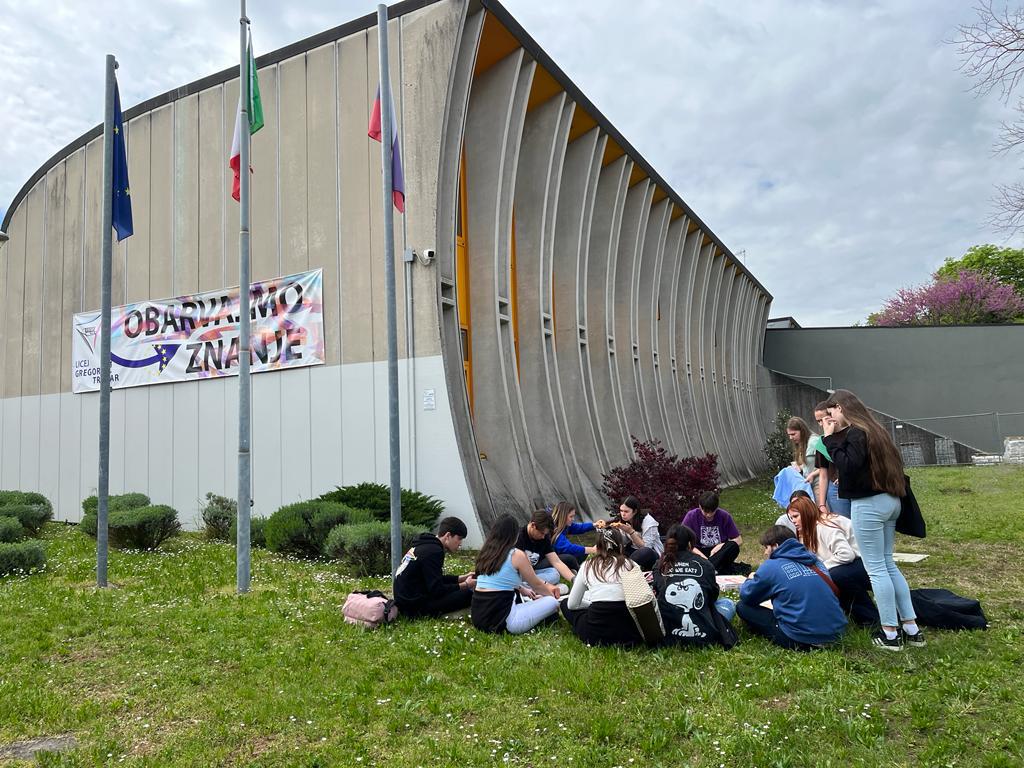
(573, 555)
(501, 569)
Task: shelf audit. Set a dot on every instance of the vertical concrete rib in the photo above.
(613, 440)
(667, 330)
(494, 126)
(746, 383)
(684, 343)
(698, 305)
(536, 199)
(627, 269)
(711, 344)
(569, 271)
(648, 310)
(726, 349)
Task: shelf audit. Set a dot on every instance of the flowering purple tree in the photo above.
(969, 298)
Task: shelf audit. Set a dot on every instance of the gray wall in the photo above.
(939, 378)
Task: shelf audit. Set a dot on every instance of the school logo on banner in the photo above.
(196, 337)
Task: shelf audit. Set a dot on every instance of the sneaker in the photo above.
(879, 640)
(916, 640)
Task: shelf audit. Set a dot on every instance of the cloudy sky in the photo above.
(834, 143)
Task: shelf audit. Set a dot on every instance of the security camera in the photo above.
(427, 256)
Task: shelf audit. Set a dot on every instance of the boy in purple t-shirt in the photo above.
(718, 537)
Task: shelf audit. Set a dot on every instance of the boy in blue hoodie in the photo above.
(805, 611)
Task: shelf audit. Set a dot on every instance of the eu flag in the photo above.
(122, 217)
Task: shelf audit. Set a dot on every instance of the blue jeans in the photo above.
(874, 524)
(838, 506)
(726, 607)
(548, 575)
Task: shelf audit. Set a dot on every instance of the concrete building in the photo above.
(575, 299)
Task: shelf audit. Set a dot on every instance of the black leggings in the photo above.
(854, 585)
(724, 558)
(450, 602)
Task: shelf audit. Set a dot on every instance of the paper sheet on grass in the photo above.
(908, 557)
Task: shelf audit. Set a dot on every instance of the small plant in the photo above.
(417, 508)
(257, 532)
(301, 528)
(119, 503)
(777, 446)
(364, 549)
(31, 517)
(144, 527)
(665, 484)
(219, 513)
(22, 558)
(10, 530)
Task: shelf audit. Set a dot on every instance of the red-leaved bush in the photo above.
(665, 484)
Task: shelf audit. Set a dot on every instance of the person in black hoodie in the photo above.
(421, 586)
(688, 594)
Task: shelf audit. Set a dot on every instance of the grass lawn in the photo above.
(172, 669)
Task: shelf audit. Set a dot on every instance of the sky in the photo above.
(834, 146)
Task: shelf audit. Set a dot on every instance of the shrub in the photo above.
(29, 516)
(665, 484)
(301, 528)
(91, 505)
(21, 558)
(10, 530)
(417, 508)
(144, 527)
(257, 532)
(87, 524)
(777, 446)
(219, 513)
(11, 498)
(364, 549)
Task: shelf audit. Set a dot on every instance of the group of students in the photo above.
(819, 565)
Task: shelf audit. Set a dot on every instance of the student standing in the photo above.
(421, 586)
(827, 490)
(717, 535)
(805, 612)
(871, 476)
(501, 570)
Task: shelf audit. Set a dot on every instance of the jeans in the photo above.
(525, 616)
(837, 505)
(874, 524)
(726, 607)
(548, 575)
(761, 621)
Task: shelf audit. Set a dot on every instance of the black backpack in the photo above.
(943, 609)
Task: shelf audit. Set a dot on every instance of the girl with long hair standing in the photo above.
(871, 476)
(501, 569)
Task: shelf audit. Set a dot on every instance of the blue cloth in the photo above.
(788, 480)
(874, 525)
(805, 607)
(122, 210)
(505, 578)
(565, 547)
(726, 607)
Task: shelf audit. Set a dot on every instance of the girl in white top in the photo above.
(831, 538)
(596, 606)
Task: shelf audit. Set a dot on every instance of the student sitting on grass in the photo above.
(596, 606)
(535, 541)
(643, 545)
(564, 516)
(421, 587)
(688, 594)
(783, 519)
(501, 569)
(805, 612)
(831, 538)
(717, 535)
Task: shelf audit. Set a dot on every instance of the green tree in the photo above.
(1004, 264)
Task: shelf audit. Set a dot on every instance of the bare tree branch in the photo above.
(992, 49)
(1008, 209)
(1011, 134)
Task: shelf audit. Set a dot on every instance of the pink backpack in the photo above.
(369, 609)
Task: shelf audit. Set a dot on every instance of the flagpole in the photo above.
(394, 439)
(103, 482)
(242, 560)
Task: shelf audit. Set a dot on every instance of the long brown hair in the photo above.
(560, 514)
(610, 555)
(800, 446)
(809, 517)
(500, 539)
(680, 538)
(884, 458)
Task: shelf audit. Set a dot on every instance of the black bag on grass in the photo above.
(943, 609)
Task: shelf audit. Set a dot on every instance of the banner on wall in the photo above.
(196, 337)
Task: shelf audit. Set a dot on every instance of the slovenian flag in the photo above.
(397, 175)
(255, 111)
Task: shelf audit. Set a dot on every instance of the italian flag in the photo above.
(255, 111)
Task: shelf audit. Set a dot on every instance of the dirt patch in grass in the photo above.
(27, 749)
(962, 490)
